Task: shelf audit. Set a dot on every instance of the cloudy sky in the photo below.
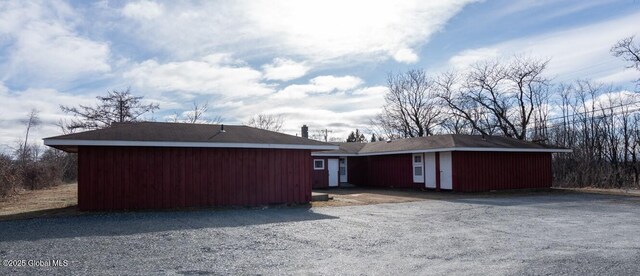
(321, 63)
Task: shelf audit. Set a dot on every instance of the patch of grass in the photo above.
(57, 200)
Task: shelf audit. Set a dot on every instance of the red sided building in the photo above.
(464, 163)
(151, 165)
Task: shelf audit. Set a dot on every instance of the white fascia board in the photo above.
(469, 149)
(319, 153)
(115, 143)
(449, 149)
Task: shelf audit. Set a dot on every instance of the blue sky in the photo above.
(321, 63)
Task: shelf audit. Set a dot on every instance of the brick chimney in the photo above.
(305, 131)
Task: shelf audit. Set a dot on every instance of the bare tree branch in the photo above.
(266, 121)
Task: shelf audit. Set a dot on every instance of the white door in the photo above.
(333, 172)
(446, 176)
(343, 170)
(418, 168)
(430, 169)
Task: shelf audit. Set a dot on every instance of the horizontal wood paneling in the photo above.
(484, 171)
(117, 178)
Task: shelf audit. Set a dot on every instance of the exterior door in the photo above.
(430, 170)
(418, 168)
(446, 176)
(343, 170)
(333, 172)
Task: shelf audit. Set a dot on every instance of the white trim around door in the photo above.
(446, 173)
(333, 172)
(343, 170)
(430, 170)
(417, 161)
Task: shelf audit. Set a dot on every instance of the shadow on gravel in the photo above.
(130, 223)
(56, 212)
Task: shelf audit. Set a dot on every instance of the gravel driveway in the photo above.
(574, 234)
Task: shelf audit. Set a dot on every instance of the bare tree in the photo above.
(32, 121)
(629, 51)
(461, 106)
(497, 95)
(410, 108)
(116, 107)
(197, 114)
(266, 121)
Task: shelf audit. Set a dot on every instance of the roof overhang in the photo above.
(446, 149)
(71, 145)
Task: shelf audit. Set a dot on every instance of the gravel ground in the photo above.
(576, 234)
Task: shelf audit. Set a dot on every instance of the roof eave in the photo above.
(62, 143)
(547, 150)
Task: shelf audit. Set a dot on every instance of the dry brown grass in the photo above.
(57, 200)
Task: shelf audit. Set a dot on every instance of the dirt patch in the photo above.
(365, 196)
(58, 200)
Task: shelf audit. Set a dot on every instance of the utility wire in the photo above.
(591, 111)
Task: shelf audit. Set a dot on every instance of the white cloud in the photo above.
(339, 103)
(17, 104)
(575, 53)
(143, 10)
(213, 74)
(42, 47)
(319, 32)
(284, 69)
(321, 84)
(405, 55)
(465, 59)
(629, 74)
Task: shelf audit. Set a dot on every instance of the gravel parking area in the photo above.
(576, 234)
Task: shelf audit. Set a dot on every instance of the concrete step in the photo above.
(319, 196)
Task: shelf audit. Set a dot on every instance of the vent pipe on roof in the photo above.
(305, 131)
(222, 128)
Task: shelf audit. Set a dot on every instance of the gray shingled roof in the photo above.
(157, 133)
(436, 142)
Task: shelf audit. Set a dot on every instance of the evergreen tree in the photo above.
(352, 137)
(356, 137)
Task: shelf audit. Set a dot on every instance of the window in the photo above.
(318, 164)
(343, 171)
(417, 171)
(417, 159)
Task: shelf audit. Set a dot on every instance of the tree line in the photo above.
(515, 98)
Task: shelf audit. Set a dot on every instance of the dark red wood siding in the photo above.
(382, 171)
(117, 178)
(484, 171)
(357, 170)
(320, 178)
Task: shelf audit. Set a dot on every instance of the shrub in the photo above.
(9, 176)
